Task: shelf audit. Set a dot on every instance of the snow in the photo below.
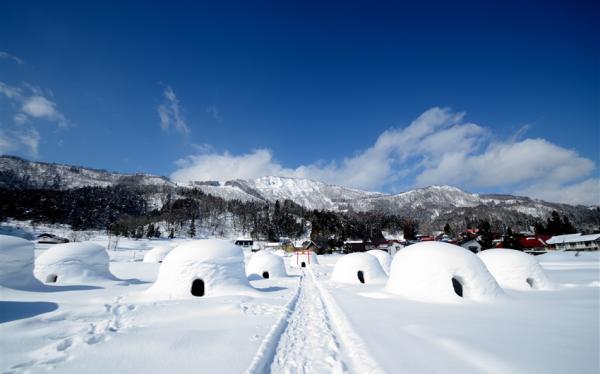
(305, 322)
(218, 263)
(347, 269)
(16, 263)
(425, 272)
(264, 264)
(515, 269)
(157, 254)
(73, 263)
(306, 258)
(385, 260)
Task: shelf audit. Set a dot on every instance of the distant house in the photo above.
(534, 242)
(244, 242)
(351, 246)
(575, 242)
(312, 246)
(472, 245)
(51, 239)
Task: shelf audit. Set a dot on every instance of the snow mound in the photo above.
(281, 253)
(357, 268)
(265, 265)
(16, 263)
(515, 269)
(441, 272)
(300, 260)
(207, 267)
(157, 254)
(73, 263)
(385, 260)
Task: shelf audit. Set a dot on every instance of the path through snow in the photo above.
(312, 337)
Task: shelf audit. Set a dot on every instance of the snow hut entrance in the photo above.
(458, 288)
(51, 278)
(198, 287)
(303, 264)
(361, 276)
(530, 282)
(265, 274)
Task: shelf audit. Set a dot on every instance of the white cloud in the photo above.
(8, 56)
(436, 148)
(169, 113)
(41, 107)
(29, 104)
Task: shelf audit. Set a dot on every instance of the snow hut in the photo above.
(302, 259)
(515, 269)
(207, 267)
(157, 254)
(265, 265)
(441, 272)
(358, 268)
(16, 263)
(385, 260)
(73, 263)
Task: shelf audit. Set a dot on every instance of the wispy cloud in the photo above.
(169, 113)
(8, 56)
(438, 147)
(29, 104)
(213, 111)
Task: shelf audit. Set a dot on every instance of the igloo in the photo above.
(303, 259)
(157, 254)
(73, 263)
(358, 268)
(515, 269)
(265, 265)
(441, 272)
(16, 263)
(207, 267)
(383, 257)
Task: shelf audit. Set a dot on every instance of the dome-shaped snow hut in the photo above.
(157, 254)
(202, 268)
(515, 269)
(16, 263)
(441, 272)
(266, 265)
(303, 259)
(357, 268)
(385, 260)
(73, 263)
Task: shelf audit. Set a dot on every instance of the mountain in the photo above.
(434, 204)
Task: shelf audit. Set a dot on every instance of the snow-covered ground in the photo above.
(305, 322)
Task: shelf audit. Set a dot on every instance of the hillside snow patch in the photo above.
(441, 272)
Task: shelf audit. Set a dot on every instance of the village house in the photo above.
(575, 242)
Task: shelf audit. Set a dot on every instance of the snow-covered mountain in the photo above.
(429, 202)
(16, 172)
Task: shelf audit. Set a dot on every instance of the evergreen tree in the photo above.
(192, 230)
(151, 231)
(447, 229)
(485, 235)
(172, 233)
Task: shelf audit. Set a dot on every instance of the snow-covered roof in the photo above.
(572, 238)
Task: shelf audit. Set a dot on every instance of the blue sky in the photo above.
(487, 97)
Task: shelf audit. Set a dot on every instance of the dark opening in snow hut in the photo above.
(198, 287)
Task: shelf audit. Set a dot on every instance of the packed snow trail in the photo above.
(309, 344)
(307, 338)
